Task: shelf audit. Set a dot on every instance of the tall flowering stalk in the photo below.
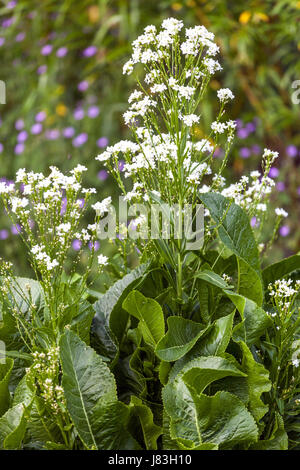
(166, 162)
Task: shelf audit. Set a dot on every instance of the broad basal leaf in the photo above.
(91, 396)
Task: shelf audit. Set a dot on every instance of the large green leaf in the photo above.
(5, 372)
(91, 396)
(279, 270)
(254, 319)
(258, 383)
(235, 232)
(181, 336)
(151, 431)
(12, 428)
(150, 315)
(202, 371)
(221, 419)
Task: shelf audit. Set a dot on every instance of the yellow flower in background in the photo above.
(298, 5)
(61, 109)
(176, 6)
(93, 13)
(259, 16)
(191, 3)
(245, 17)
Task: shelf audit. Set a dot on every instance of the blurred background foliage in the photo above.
(61, 61)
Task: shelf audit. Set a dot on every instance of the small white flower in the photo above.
(225, 94)
(102, 260)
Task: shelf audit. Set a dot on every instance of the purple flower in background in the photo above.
(4, 234)
(40, 117)
(83, 86)
(274, 172)
(47, 49)
(19, 124)
(2, 41)
(80, 139)
(42, 69)
(15, 229)
(93, 111)
(102, 175)
(280, 186)
(20, 37)
(81, 203)
(76, 244)
(242, 133)
(11, 4)
(52, 134)
(36, 128)
(96, 245)
(61, 52)
(239, 123)
(291, 151)
(121, 165)
(19, 148)
(253, 222)
(63, 206)
(78, 114)
(102, 142)
(298, 190)
(1, 147)
(22, 136)
(251, 127)
(255, 149)
(284, 230)
(68, 132)
(218, 152)
(245, 152)
(89, 51)
(8, 22)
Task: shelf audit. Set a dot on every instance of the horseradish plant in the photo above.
(194, 349)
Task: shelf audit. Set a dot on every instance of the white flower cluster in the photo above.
(225, 94)
(283, 292)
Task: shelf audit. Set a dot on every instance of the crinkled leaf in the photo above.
(277, 441)
(202, 371)
(181, 336)
(150, 315)
(258, 382)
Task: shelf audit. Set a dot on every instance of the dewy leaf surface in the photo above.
(181, 336)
